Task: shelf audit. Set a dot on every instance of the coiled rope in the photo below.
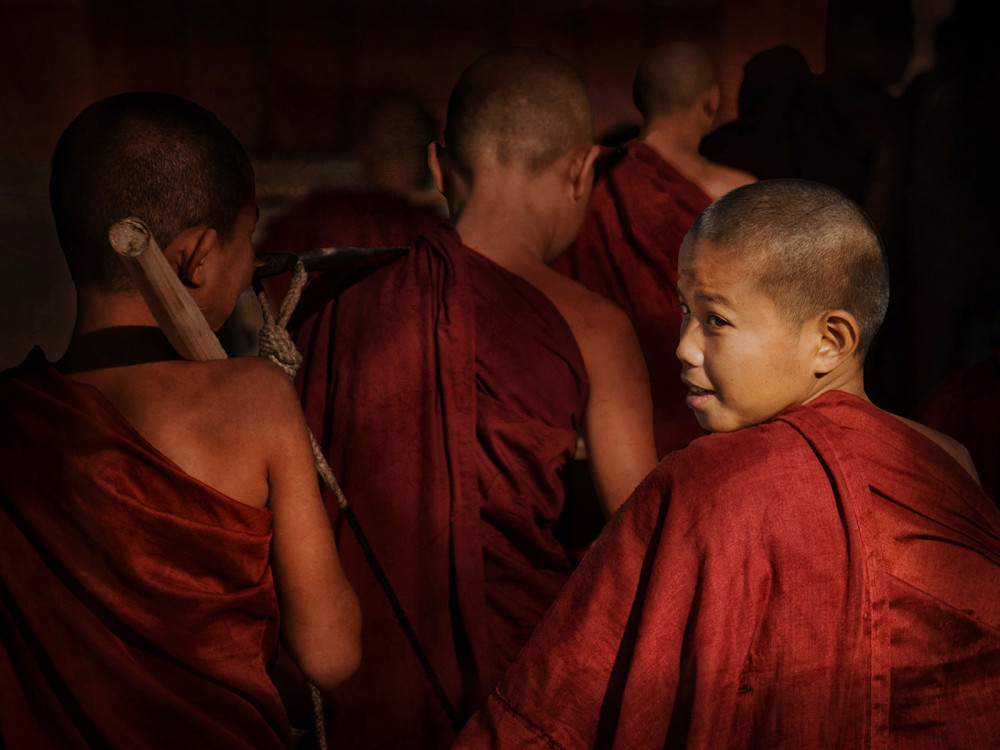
(276, 345)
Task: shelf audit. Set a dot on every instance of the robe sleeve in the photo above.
(542, 702)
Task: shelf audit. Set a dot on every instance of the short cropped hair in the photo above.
(517, 107)
(810, 247)
(154, 156)
(671, 78)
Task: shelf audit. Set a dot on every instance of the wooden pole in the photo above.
(171, 304)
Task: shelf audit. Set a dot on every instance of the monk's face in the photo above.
(742, 362)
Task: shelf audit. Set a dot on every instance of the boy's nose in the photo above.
(689, 348)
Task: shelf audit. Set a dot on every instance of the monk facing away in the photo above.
(676, 91)
(646, 195)
(157, 514)
(816, 573)
(449, 388)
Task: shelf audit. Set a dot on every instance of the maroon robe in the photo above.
(337, 217)
(966, 405)
(137, 607)
(447, 393)
(828, 579)
(639, 212)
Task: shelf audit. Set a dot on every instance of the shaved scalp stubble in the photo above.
(810, 248)
(157, 157)
(518, 107)
(671, 78)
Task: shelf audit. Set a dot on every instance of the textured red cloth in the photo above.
(137, 607)
(828, 579)
(336, 217)
(447, 393)
(966, 405)
(639, 212)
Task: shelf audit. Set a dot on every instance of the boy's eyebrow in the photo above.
(718, 299)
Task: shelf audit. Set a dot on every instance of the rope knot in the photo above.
(275, 344)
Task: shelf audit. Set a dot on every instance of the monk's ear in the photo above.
(582, 170)
(710, 102)
(187, 253)
(435, 155)
(838, 336)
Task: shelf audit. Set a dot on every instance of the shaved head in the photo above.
(157, 157)
(810, 248)
(671, 78)
(395, 131)
(517, 107)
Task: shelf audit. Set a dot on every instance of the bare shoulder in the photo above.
(591, 317)
(224, 422)
(721, 179)
(954, 448)
(255, 381)
(256, 399)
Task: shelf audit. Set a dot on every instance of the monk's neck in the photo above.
(849, 379)
(113, 330)
(97, 310)
(674, 140)
(512, 232)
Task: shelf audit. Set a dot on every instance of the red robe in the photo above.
(966, 405)
(828, 579)
(447, 393)
(335, 217)
(639, 212)
(137, 607)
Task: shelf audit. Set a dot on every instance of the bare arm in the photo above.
(618, 419)
(320, 617)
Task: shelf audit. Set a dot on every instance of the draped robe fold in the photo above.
(827, 579)
(137, 605)
(447, 394)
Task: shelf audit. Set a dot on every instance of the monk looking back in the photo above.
(816, 573)
(449, 389)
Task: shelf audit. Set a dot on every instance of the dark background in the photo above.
(291, 78)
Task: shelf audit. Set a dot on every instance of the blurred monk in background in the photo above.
(647, 194)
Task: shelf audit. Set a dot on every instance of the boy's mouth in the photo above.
(698, 398)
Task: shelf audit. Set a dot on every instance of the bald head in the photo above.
(395, 131)
(160, 158)
(671, 78)
(810, 248)
(517, 108)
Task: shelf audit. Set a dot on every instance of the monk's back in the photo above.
(140, 591)
(209, 418)
(526, 431)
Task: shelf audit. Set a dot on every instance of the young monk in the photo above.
(816, 572)
(449, 389)
(156, 514)
(646, 195)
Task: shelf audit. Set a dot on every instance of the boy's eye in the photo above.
(684, 309)
(715, 321)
